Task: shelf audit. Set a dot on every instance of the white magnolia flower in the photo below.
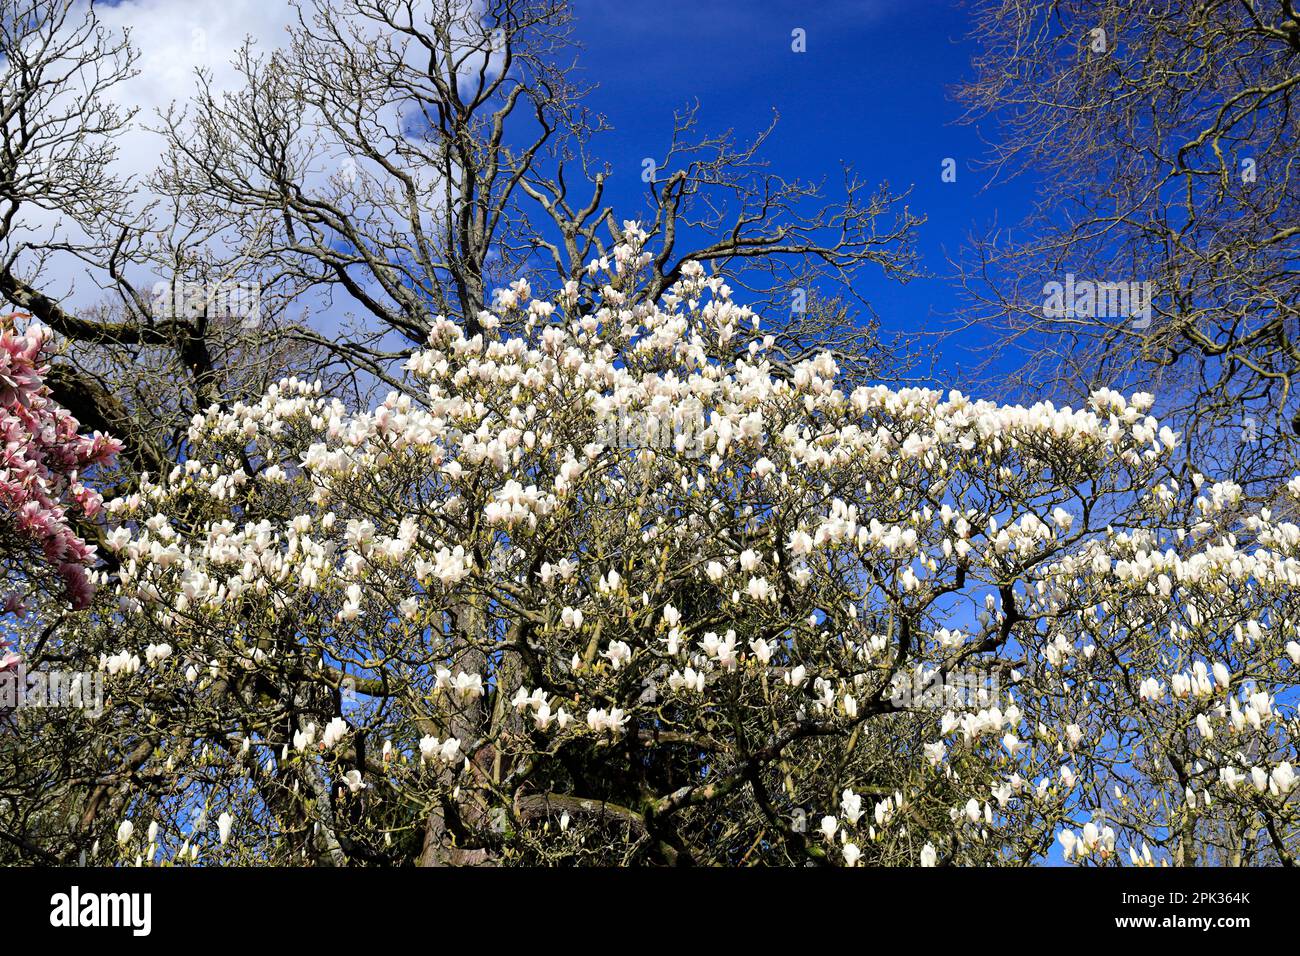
(334, 733)
(606, 721)
(467, 685)
(304, 738)
(618, 654)
(157, 653)
(851, 806)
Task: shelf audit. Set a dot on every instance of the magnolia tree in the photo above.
(618, 586)
(42, 463)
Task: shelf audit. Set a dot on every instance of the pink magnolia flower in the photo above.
(42, 458)
(7, 658)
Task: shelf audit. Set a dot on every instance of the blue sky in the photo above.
(873, 89)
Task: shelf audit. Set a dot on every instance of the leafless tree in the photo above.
(1164, 138)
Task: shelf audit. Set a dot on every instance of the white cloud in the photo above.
(174, 39)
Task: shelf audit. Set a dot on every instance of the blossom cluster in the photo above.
(512, 603)
(44, 461)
